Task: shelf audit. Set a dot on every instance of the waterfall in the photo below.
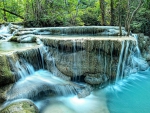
(6, 32)
(74, 61)
(40, 81)
(130, 59)
(124, 60)
(32, 83)
(25, 69)
(120, 62)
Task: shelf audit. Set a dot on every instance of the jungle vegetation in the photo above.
(134, 15)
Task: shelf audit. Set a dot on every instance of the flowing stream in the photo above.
(129, 93)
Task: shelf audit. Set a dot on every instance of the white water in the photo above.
(119, 96)
(130, 95)
(24, 70)
(95, 103)
(42, 80)
(4, 29)
(119, 68)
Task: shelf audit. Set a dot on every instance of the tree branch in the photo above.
(134, 12)
(12, 13)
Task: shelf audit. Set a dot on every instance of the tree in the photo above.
(102, 7)
(112, 21)
(131, 14)
(120, 25)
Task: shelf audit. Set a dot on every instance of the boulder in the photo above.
(94, 79)
(20, 106)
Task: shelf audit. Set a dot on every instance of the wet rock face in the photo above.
(90, 58)
(10, 63)
(20, 106)
(6, 76)
(3, 92)
(144, 45)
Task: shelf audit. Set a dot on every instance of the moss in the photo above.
(23, 106)
(6, 75)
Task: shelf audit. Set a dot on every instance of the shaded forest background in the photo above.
(132, 14)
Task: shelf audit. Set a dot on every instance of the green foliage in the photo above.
(73, 13)
(141, 21)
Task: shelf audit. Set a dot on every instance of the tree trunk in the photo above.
(120, 30)
(130, 18)
(102, 7)
(112, 21)
(5, 17)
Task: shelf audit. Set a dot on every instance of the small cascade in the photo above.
(136, 59)
(130, 60)
(74, 61)
(111, 60)
(7, 31)
(41, 81)
(24, 69)
(4, 30)
(138, 53)
(119, 68)
(43, 52)
(124, 60)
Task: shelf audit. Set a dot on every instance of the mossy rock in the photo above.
(20, 106)
(6, 76)
(3, 92)
(14, 39)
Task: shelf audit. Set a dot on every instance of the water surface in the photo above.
(14, 46)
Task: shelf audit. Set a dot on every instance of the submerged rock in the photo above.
(20, 106)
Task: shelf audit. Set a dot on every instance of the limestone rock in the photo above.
(20, 106)
(94, 79)
(85, 91)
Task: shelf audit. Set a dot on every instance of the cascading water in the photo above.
(4, 30)
(7, 31)
(24, 70)
(37, 83)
